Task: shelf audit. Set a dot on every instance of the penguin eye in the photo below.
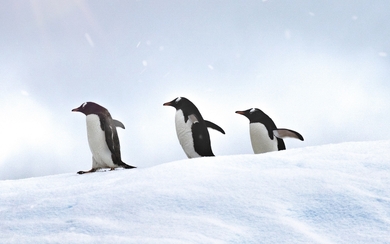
(178, 99)
(83, 105)
(252, 110)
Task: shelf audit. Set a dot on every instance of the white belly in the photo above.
(97, 143)
(184, 134)
(261, 143)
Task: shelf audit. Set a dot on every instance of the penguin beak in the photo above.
(240, 112)
(75, 110)
(167, 104)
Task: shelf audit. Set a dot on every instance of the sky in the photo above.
(318, 67)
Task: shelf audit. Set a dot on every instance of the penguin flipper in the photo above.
(214, 126)
(117, 123)
(283, 133)
(112, 139)
(201, 139)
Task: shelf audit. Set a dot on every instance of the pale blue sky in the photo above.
(318, 67)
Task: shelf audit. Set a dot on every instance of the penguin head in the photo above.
(253, 114)
(90, 108)
(179, 103)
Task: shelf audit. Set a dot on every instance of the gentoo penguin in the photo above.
(265, 137)
(191, 128)
(102, 137)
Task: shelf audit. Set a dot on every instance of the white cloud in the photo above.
(28, 128)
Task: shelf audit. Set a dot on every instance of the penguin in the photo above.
(102, 137)
(191, 128)
(265, 136)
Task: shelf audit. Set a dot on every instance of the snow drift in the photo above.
(328, 194)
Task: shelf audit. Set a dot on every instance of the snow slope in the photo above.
(328, 194)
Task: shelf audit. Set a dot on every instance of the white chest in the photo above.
(97, 143)
(261, 143)
(184, 133)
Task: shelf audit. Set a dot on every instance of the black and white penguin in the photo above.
(265, 136)
(102, 137)
(191, 128)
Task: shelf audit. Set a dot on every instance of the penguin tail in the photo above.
(127, 166)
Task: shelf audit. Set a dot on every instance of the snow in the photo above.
(327, 194)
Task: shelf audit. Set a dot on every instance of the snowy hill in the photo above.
(328, 194)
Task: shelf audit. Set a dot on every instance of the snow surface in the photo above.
(328, 194)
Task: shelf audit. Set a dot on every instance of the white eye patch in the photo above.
(178, 99)
(252, 110)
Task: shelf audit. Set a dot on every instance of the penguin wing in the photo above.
(117, 123)
(112, 139)
(283, 133)
(200, 136)
(214, 126)
(201, 139)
